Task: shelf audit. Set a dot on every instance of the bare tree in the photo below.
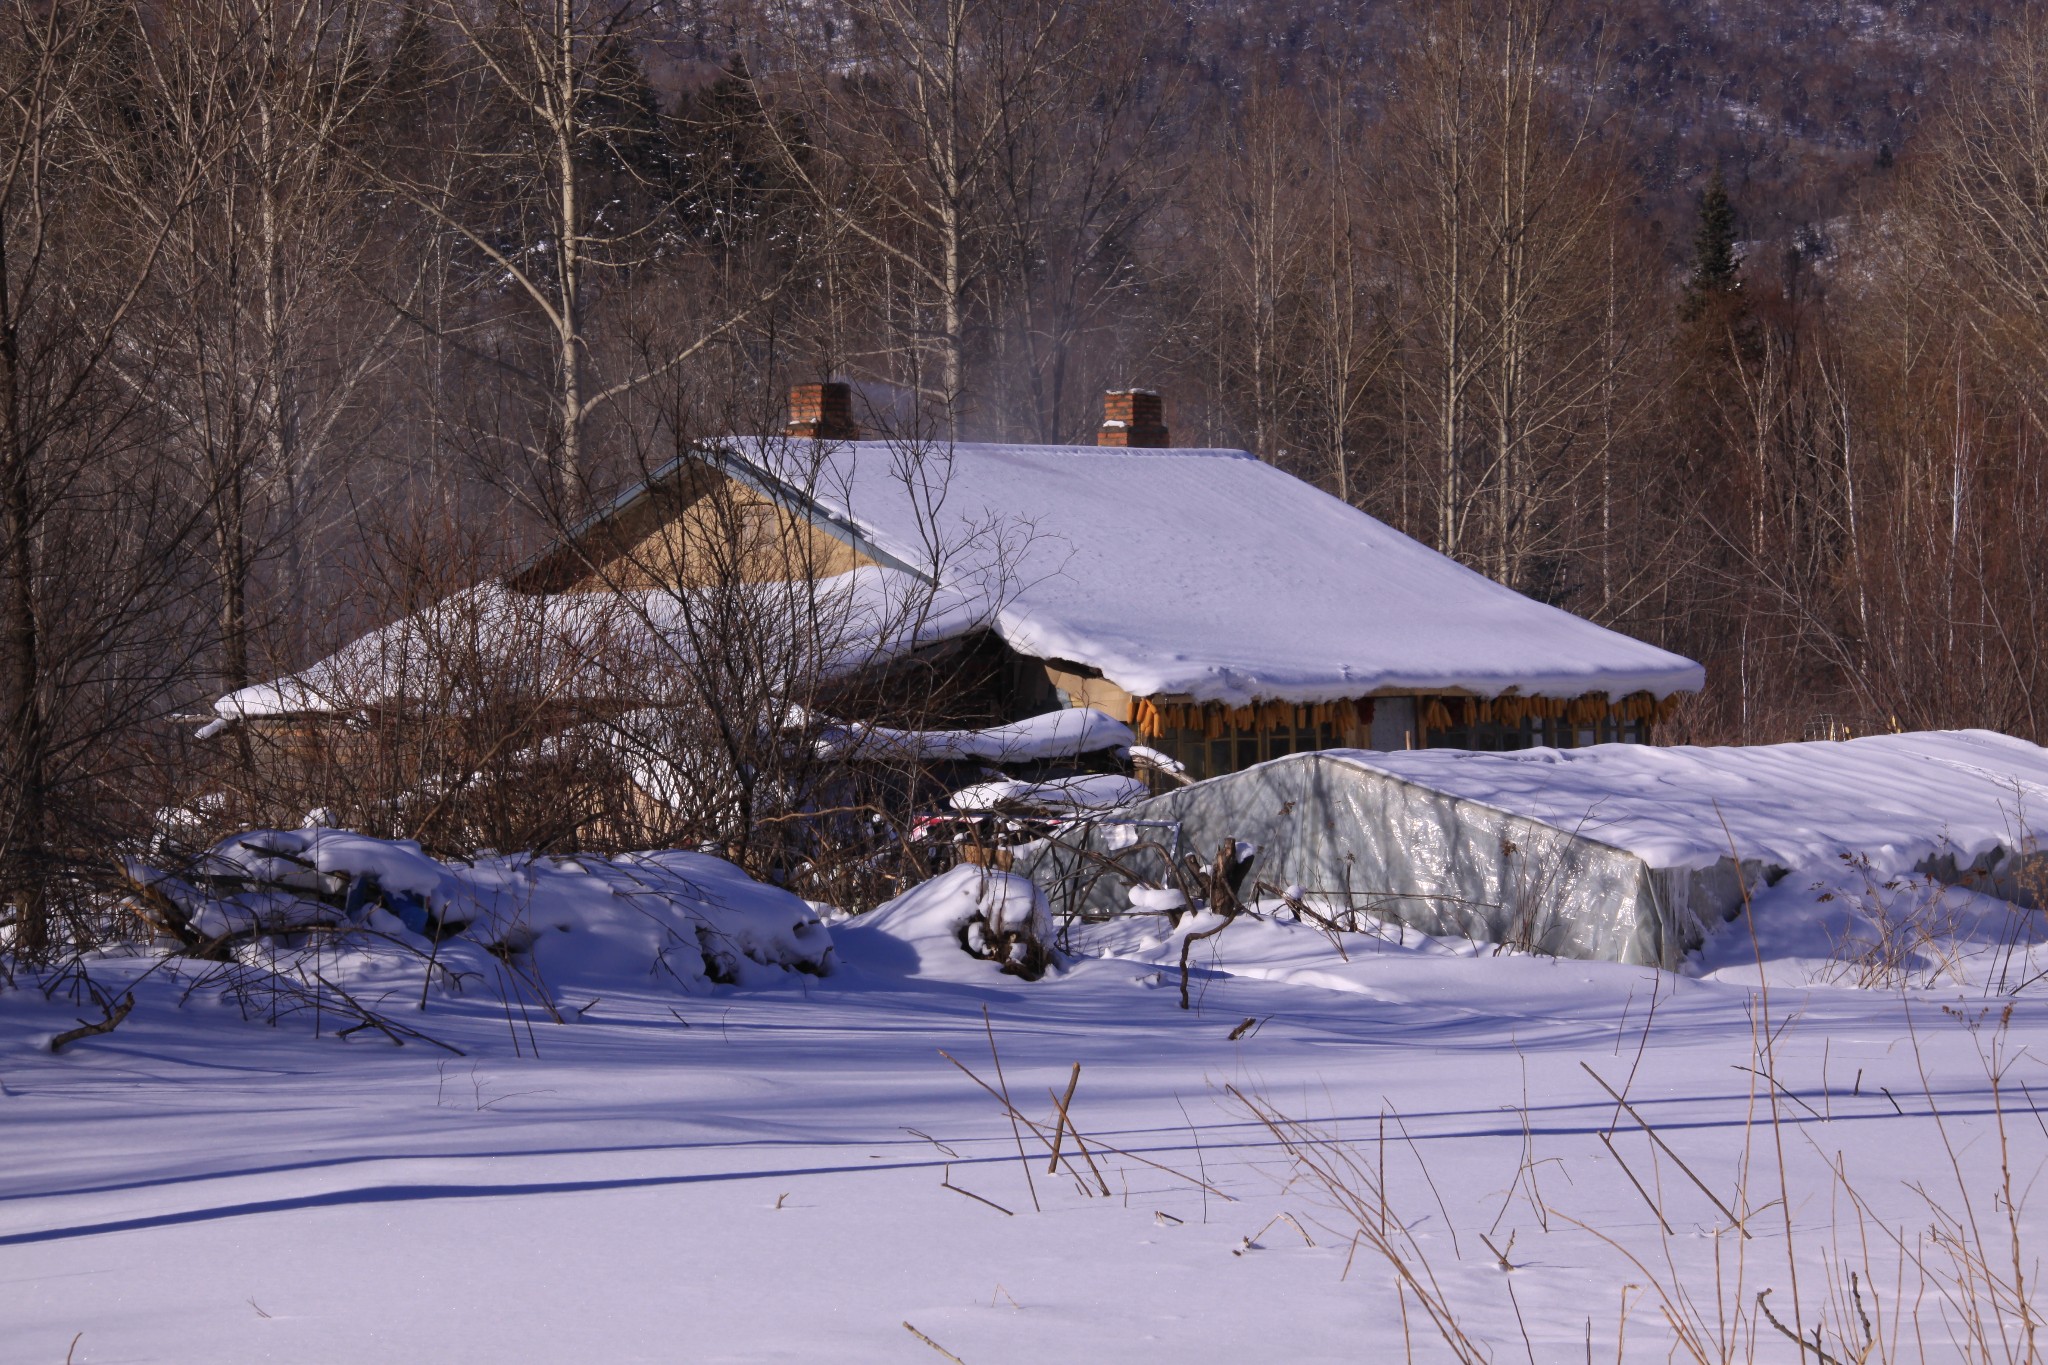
(1350, 325)
(97, 624)
(1266, 201)
(917, 115)
(1504, 199)
(1079, 182)
(1978, 219)
(555, 185)
(258, 346)
(1296, 309)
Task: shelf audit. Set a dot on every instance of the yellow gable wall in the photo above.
(1097, 692)
(729, 534)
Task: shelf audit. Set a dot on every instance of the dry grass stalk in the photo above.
(946, 1183)
(1651, 1132)
(1038, 1130)
(1359, 1193)
(933, 1344)
(1003, 1088)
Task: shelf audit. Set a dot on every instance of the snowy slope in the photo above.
(1895, 798)
(794, 1173)
(1210, 574)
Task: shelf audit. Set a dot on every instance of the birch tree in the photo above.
(1502, 201)
(260, 345)
(555, 190)
(915, 110)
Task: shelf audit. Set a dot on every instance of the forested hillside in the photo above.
(1723, 324)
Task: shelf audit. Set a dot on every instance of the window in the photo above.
(1239, 749)
(1535, 733)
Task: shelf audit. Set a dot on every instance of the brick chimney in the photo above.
(822, 412)
(1132, 417)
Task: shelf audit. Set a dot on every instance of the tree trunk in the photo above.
(22, 855)
(568, 472)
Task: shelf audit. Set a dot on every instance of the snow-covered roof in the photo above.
(1057, 734)
(1199, 573)
(590, 645)
(1897, 799)
(1192, 573)
(1087, 791)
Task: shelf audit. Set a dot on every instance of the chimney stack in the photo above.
(1132, 417)
(822, 412)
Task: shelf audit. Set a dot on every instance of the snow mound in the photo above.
(999, 917)
(1270, 944)
(1856, 926)
(1157, 901)
(674, 920)
(1852, 928)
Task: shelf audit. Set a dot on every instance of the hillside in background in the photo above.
(1720, 325)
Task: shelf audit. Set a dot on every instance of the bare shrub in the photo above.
(1906, 932)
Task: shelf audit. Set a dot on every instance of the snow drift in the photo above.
(999, 917)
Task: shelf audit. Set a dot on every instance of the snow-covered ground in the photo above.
(793, 1169)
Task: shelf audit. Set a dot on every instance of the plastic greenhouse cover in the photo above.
(1346, 835)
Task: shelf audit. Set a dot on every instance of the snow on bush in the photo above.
(677, 920)
(1854, 925)
(1157, 901)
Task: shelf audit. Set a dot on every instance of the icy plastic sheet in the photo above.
(1345, 834)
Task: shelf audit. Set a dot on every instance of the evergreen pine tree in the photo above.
(413, 62)
(730, 185)
(414, 66)
(1714, 263)
(632, 173)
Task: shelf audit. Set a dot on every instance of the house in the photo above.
(1225, 610)
(1228, 612)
